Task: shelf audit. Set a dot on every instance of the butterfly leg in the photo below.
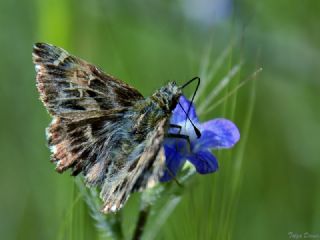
(176, 126)
(179, 136)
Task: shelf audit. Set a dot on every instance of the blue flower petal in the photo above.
(218, 133)
(204, 161)
(174, 162)
(179, 116)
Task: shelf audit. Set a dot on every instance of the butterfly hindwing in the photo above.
(79, 145)
(148, 157)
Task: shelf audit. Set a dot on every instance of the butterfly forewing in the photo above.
(74, 89)
(143, 169)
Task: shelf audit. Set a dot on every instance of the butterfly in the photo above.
(102, 127)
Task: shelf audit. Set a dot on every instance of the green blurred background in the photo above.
(147, 43)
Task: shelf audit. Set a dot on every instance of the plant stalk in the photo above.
(142, 220)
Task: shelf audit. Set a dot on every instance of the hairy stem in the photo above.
(116, 227)
(142, 220)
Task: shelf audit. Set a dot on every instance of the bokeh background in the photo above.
(147, 43)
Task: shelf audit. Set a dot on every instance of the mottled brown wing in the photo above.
(142, 170)
(74, 89)
(81, 145)
(89, 127)
(85, 103)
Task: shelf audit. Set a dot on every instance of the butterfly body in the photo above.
(101, 126)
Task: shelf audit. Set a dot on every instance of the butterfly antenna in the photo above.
(197, 131)
(195, 91)
(190, 81)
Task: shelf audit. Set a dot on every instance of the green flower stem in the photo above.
(115, 226)
(109, 225)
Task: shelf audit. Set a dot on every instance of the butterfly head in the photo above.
(168, 96)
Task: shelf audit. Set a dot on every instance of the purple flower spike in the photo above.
(215, 134)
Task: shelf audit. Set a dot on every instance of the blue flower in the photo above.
(215, 134)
